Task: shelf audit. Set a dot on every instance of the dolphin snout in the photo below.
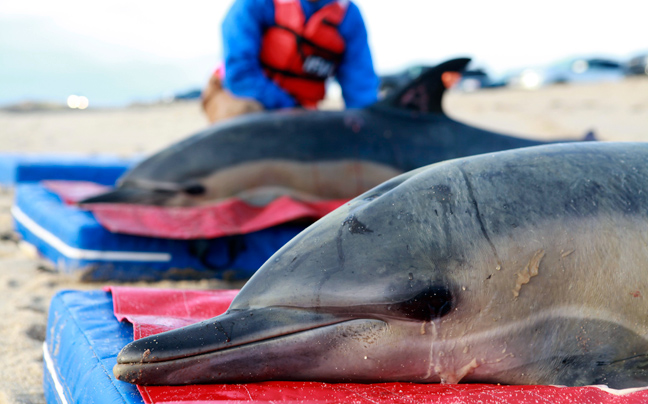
(183, 355)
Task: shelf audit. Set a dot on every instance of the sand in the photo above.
(614, 111)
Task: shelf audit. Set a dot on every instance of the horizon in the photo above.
(119, 52)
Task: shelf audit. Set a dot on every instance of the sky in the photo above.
(119, 51)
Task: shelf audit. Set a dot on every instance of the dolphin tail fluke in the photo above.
(129, 195)
(425, 93)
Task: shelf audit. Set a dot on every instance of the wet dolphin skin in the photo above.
(517, 267)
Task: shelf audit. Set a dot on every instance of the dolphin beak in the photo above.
(131, 195)
(249, 345)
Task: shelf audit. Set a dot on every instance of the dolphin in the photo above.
(525, 266)
(312, 154)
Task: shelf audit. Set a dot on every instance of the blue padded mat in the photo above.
(76, 243)
(20, 167)
(80, 350)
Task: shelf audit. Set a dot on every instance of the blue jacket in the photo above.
(243, 29)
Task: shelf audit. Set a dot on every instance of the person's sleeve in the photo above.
(356, 73)
(242, 31)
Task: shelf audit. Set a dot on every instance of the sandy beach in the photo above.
(613, 111)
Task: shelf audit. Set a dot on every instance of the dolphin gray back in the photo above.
(312, 135)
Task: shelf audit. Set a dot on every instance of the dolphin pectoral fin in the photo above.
(625, 373)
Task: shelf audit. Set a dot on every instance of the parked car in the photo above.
(391, 82)
(193, 94)
(638, 65)
(473, 80)
(575, 70)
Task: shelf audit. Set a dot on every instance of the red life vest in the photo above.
(299, 56)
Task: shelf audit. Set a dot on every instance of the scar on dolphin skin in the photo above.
(356, 226)
(566, 253)
(471, 195)
(529, 271)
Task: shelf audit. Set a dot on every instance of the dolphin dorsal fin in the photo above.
(425, 93)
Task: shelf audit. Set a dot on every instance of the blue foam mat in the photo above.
(21, 167)
(80, 350)
(75, 241)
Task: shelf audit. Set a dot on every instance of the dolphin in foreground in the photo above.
(526, 266)
(310, 154)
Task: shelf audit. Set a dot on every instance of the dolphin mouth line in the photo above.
(149, 358)
(256, 358)
(154, 185)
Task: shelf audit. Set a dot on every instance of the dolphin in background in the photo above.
(526, 266)
(311, 154)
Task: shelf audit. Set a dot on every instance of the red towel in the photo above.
(228, 217)
(156, 310)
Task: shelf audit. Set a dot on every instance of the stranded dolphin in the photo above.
(325, 154)
(520, 267)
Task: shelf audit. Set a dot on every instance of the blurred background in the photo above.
(113, 54)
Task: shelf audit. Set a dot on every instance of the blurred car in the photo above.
(577, 70)
(193, 94)
(473, 80)
(638, 65)
(391, 82)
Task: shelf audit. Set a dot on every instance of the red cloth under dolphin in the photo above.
(156, 310)
(228, 217)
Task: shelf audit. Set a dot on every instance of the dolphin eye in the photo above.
(432, 303)
(195, 189)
